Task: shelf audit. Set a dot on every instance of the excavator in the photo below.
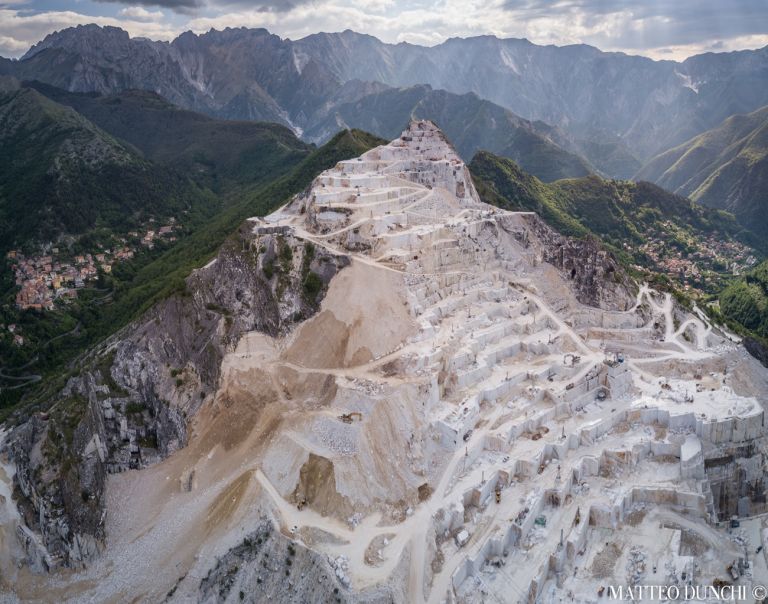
(348, 418)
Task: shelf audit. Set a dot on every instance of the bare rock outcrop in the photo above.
(129, 405)
(595, 274)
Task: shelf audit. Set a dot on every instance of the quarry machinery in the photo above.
(348, 418)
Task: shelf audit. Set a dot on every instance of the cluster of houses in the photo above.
(706, 260)
(148, 239)
(15, 331)
(44, 279)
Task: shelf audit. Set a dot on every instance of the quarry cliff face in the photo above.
(381, 391)
(131, 404)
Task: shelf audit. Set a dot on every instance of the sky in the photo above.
(660, 29)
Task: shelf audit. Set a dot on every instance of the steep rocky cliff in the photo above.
(596, 276)
(129, 405)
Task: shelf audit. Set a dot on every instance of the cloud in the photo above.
(652, 27)
(390, 22)
(10, 47)
(649, 26)
(141, 14)
(375, 6)
(655, 28)
(191, 7)
(259, 6)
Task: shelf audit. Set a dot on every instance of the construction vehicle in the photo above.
(348, 418)
(733, 570)
(570, 359)
(498, 493)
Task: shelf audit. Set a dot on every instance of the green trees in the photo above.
(746, 301)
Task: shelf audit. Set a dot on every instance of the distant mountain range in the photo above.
(615, 110)
(594, 95)
(258, 77)
(726, 167)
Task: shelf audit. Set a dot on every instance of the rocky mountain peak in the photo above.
(82, 39)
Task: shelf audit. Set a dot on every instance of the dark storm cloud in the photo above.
(277, 6)
(188, 6)
(180, 6)
(656, 23)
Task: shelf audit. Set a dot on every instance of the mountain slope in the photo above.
(617, 210)
(746, 301)
(62, 174)
(651, 227)
(65, 176)
(470, 122)
(239, 73)
(726, 167)
(744, 306)
(215, 153)
(188, 311)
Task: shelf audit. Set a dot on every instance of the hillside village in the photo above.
(46, 278)
(703, 264)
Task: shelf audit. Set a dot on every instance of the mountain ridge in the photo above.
(631, 217)
(469, 121)
(646, 105)
(216, 153)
